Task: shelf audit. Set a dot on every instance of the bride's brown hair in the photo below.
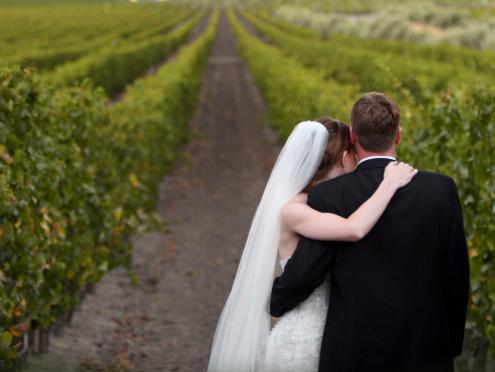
(339, 141)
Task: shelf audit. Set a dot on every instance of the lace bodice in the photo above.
(295, 340)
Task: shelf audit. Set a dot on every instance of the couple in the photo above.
(375, 266)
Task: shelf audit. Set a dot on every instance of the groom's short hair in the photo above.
(375, 119)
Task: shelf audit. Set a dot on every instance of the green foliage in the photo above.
(152, 118)
(462, 58)
(378, 65)
(58, 231)
(77, 178)
(114, 67)
(43, 35)
(456, 136)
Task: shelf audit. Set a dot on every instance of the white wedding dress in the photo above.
(243, 330)
(294, 342)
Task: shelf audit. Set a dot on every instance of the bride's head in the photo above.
(339, 157)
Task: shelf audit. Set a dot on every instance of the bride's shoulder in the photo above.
(294, 206)
(302, 197)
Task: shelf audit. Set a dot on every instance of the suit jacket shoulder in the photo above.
(327, 195)
(432, 183)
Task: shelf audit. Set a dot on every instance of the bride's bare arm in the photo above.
(312, 224)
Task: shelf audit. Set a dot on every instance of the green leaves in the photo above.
(77, 178)
(5, 340)
(113, 67)
(67, 31)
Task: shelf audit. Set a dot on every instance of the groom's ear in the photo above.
(342, 159)
(353, 135)
(398, 136)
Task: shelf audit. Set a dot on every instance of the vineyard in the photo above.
(96, 104)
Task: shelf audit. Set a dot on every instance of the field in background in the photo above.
(469, 24)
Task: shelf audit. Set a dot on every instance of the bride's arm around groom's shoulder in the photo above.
(307, 268)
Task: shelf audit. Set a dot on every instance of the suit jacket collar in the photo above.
(374, 163)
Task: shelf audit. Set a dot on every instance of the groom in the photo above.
(399, 296)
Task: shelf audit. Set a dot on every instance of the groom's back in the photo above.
(391, 303)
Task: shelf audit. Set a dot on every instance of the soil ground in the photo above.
(168, 321)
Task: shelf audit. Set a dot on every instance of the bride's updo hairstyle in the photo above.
(339, 141)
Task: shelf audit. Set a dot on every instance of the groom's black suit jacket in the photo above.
(399, 296)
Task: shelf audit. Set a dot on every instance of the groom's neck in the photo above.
(363, 154)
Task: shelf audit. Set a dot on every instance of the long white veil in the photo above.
(244, 325)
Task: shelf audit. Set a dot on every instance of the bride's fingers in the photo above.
(413, 174)
(407, 166)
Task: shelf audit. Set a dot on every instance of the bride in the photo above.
(316, 151)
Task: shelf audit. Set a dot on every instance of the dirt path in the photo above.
(167, 323)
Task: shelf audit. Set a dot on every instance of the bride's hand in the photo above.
(399, 174)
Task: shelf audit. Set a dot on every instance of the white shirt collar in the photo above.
(376, 157)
